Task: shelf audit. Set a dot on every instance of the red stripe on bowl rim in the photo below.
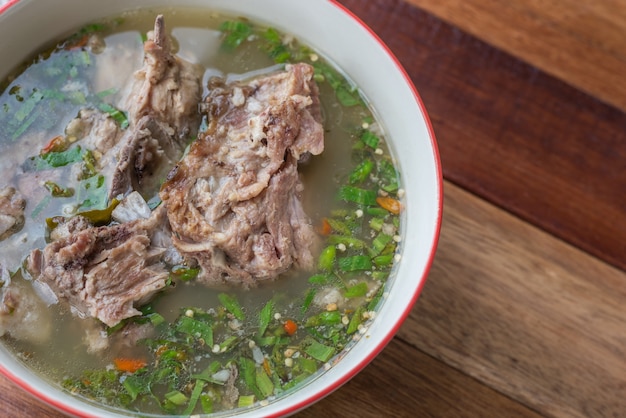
(4, 7)
(56, 403)
(393, 330)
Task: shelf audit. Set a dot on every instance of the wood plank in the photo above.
(513, 134)
(404, 382)
(15, 402)
(523, 312)
(582, 43)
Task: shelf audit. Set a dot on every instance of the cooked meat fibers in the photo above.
(234, 201)
(104, 272)
(168, 88)
(163, 117)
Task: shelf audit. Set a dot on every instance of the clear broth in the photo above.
(197, 39)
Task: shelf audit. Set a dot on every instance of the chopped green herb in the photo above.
(361, 172)
(89, 163)
(388, 175)
(318, 350)
(176, 397)
(232, 305)
(349, 242)
(274, 46)
(245, 401)
(207, 404)
(373, 304)
(307, 365)
(308, 299)
(319, 279)
(195, 396)
(154, 202)
(105, 93)
(370, 139)
(134, 386)
(247, 369)
(195, 329)
(235, 33)
(229, 343)
(357, 195)
(208, 374)
(155, 318)
(355, 321)
(347, 94)
(265, 317)
(376, 223)
(379, 243)
(40, 206)
(58, 159)
(376, 211)
(324, 318)
(326, 260)
(117, 115)
(27, 107)
(264, 383)
(355, 263)
(358, 290)
(383, 260)
(339, 226)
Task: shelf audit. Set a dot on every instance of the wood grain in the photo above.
(404, 382)
(580, 42)
(523, 312)
(512, 134)
(17, 403)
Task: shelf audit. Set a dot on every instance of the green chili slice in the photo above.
(358, 195)
(355, 263)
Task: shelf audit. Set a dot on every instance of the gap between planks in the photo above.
(581, 43)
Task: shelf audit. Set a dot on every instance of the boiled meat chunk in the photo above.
(234, 201)
(167, 88)
(163, 117)
(104, 272)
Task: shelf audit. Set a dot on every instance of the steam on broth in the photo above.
(207, 336)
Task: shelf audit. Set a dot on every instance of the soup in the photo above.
(95, 182)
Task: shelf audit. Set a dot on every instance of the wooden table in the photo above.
(524, 312)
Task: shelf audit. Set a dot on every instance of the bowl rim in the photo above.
(308, 400)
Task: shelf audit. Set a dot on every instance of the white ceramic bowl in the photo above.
(26, 25)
